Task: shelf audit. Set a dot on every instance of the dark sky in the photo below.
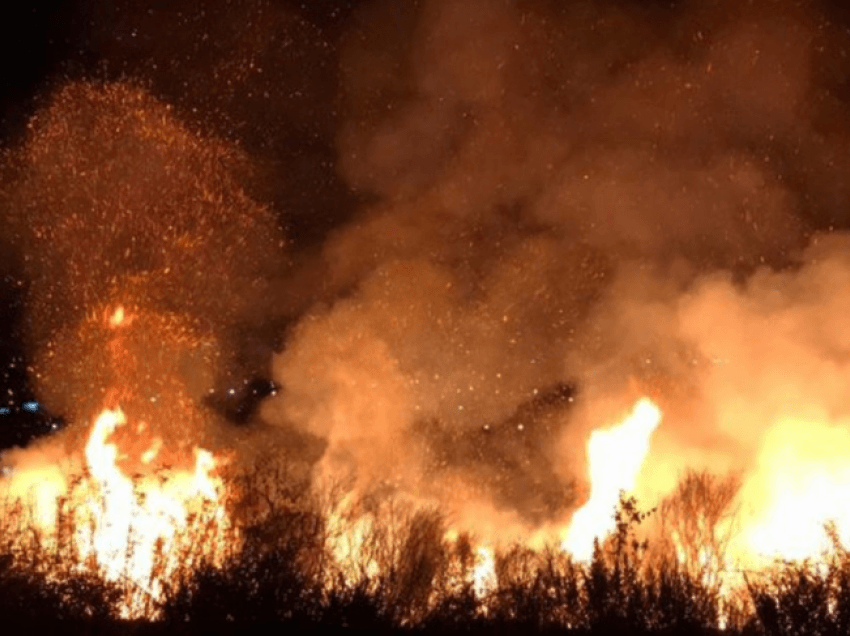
(34, 45)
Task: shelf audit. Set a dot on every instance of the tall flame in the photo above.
(132, 527)
(484, 578)
(138, 530)
(614, 458)
(348, 539)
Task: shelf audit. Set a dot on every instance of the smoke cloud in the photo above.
(508, 220)
(560, 196)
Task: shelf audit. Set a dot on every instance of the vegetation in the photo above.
(407, 576)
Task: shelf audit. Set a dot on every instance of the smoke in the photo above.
(560, 195)
(509, 220)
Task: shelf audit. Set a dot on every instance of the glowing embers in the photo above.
(614, 458)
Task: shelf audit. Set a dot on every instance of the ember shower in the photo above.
(553, 209)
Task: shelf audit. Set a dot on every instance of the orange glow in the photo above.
(799, 486)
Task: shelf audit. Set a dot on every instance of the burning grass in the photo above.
(203, 546)
(408, 572)
(198, 547)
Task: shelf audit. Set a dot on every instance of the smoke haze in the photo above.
(505, 221)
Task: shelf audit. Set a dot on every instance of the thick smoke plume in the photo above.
(540, 211)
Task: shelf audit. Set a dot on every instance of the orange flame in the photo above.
(135, 524)
(802, 478)
(614, 458)
(347, 542)
(139, 530)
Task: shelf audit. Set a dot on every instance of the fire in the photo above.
(131, 527)
(125, 515)
(137, 530)
(803, 477)
(348, 542)
(614, 458)
(484, 578)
